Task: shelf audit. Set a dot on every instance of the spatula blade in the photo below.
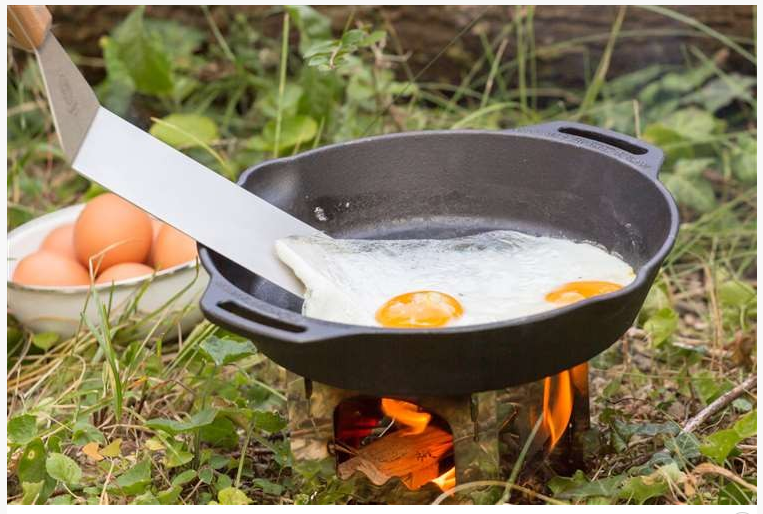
(190, 197)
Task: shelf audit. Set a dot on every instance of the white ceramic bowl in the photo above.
(58, 309)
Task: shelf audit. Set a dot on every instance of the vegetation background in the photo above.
(108, 417)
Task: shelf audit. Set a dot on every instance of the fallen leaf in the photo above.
(114, 449)
(91, 450)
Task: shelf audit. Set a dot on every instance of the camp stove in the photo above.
(411, 449)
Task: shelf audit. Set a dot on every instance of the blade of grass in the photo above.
(702, 28)
(282, 80)
(601, 71)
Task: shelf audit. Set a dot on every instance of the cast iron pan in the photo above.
(557, 179)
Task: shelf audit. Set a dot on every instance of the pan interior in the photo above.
(443, 185)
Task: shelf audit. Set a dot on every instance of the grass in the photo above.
(200, 418)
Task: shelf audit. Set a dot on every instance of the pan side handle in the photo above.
(645, 157)
(225, 305)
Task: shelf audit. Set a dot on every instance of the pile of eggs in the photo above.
(111, 237)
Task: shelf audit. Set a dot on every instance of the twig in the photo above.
(497, 483)
(708, 468)
(720, 403)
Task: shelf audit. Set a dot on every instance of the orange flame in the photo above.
(557, 405)
(447, 480)
(406, 414)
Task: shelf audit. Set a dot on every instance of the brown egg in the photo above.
(123, 271)
(115, 227)
(61, 241)
(46, 268)
(172, 247)
(157, 226)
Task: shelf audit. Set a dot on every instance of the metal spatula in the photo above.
(147, 172)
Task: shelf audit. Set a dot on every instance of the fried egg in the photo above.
(430, 283)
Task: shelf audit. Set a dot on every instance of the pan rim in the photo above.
(645, 270)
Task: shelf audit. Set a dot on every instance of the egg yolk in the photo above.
(419, 309)
(572, 292)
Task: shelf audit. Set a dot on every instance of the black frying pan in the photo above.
(557, 179)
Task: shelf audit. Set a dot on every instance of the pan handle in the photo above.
(225, 305)
(635, 152)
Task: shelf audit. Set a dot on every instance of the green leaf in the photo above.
(717, 446)
(115, 93)
(295, 130)
(695, 193)
(184, 477)
(747, 425)
(169, 496)
(692, 123)
(221, 433)
(232, 496)
(84, 432)
(143, 57)
(640, 489)
(185, 130)
(32, 492)
(172, 427)
(44, 340)
(744, 159)
(268, 421)
(692, 168)
(656, 300)
(607, 487)
(31, 467)
(62, 468)
(661, 325)
(146, 498)
(206, 475)
(133, 481)
(268, 487)
(224, 351)
(311, 24)
(22, 429)
(721, 91)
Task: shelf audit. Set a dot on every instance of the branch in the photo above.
(720, 403)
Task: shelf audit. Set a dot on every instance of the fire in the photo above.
(447, 480)
(557, 405)
(406, 414)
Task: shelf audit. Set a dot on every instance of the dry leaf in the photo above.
(91, 450)
(113, 449)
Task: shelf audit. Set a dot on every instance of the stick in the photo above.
(720, 403)
(706, 468)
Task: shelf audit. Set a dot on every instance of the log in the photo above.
(423, 31)
(414, 458)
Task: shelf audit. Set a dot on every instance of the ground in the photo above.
(113, 417)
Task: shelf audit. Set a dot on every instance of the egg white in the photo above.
(495, 276)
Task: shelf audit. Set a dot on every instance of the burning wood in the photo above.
(414, 458)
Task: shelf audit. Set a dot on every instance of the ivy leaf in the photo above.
(145, 60)
(233, 496)
(113, 449)
(721, 91)
(268, 487)
(656, 300)
(185, 130)
(719, 445)
(224, 351)
(133, 481)
(744, 159)
(22, 429)
(169, 496)
(640, 489)
(268, 421)
(44, 340)
(62, 468)
(747, 426)
(172, 427)
(692, 168)
(221, 433)
(696, 193)
(606, 487)
(693, 123)
(661, 325)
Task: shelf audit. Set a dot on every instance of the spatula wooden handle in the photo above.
(29, 24)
